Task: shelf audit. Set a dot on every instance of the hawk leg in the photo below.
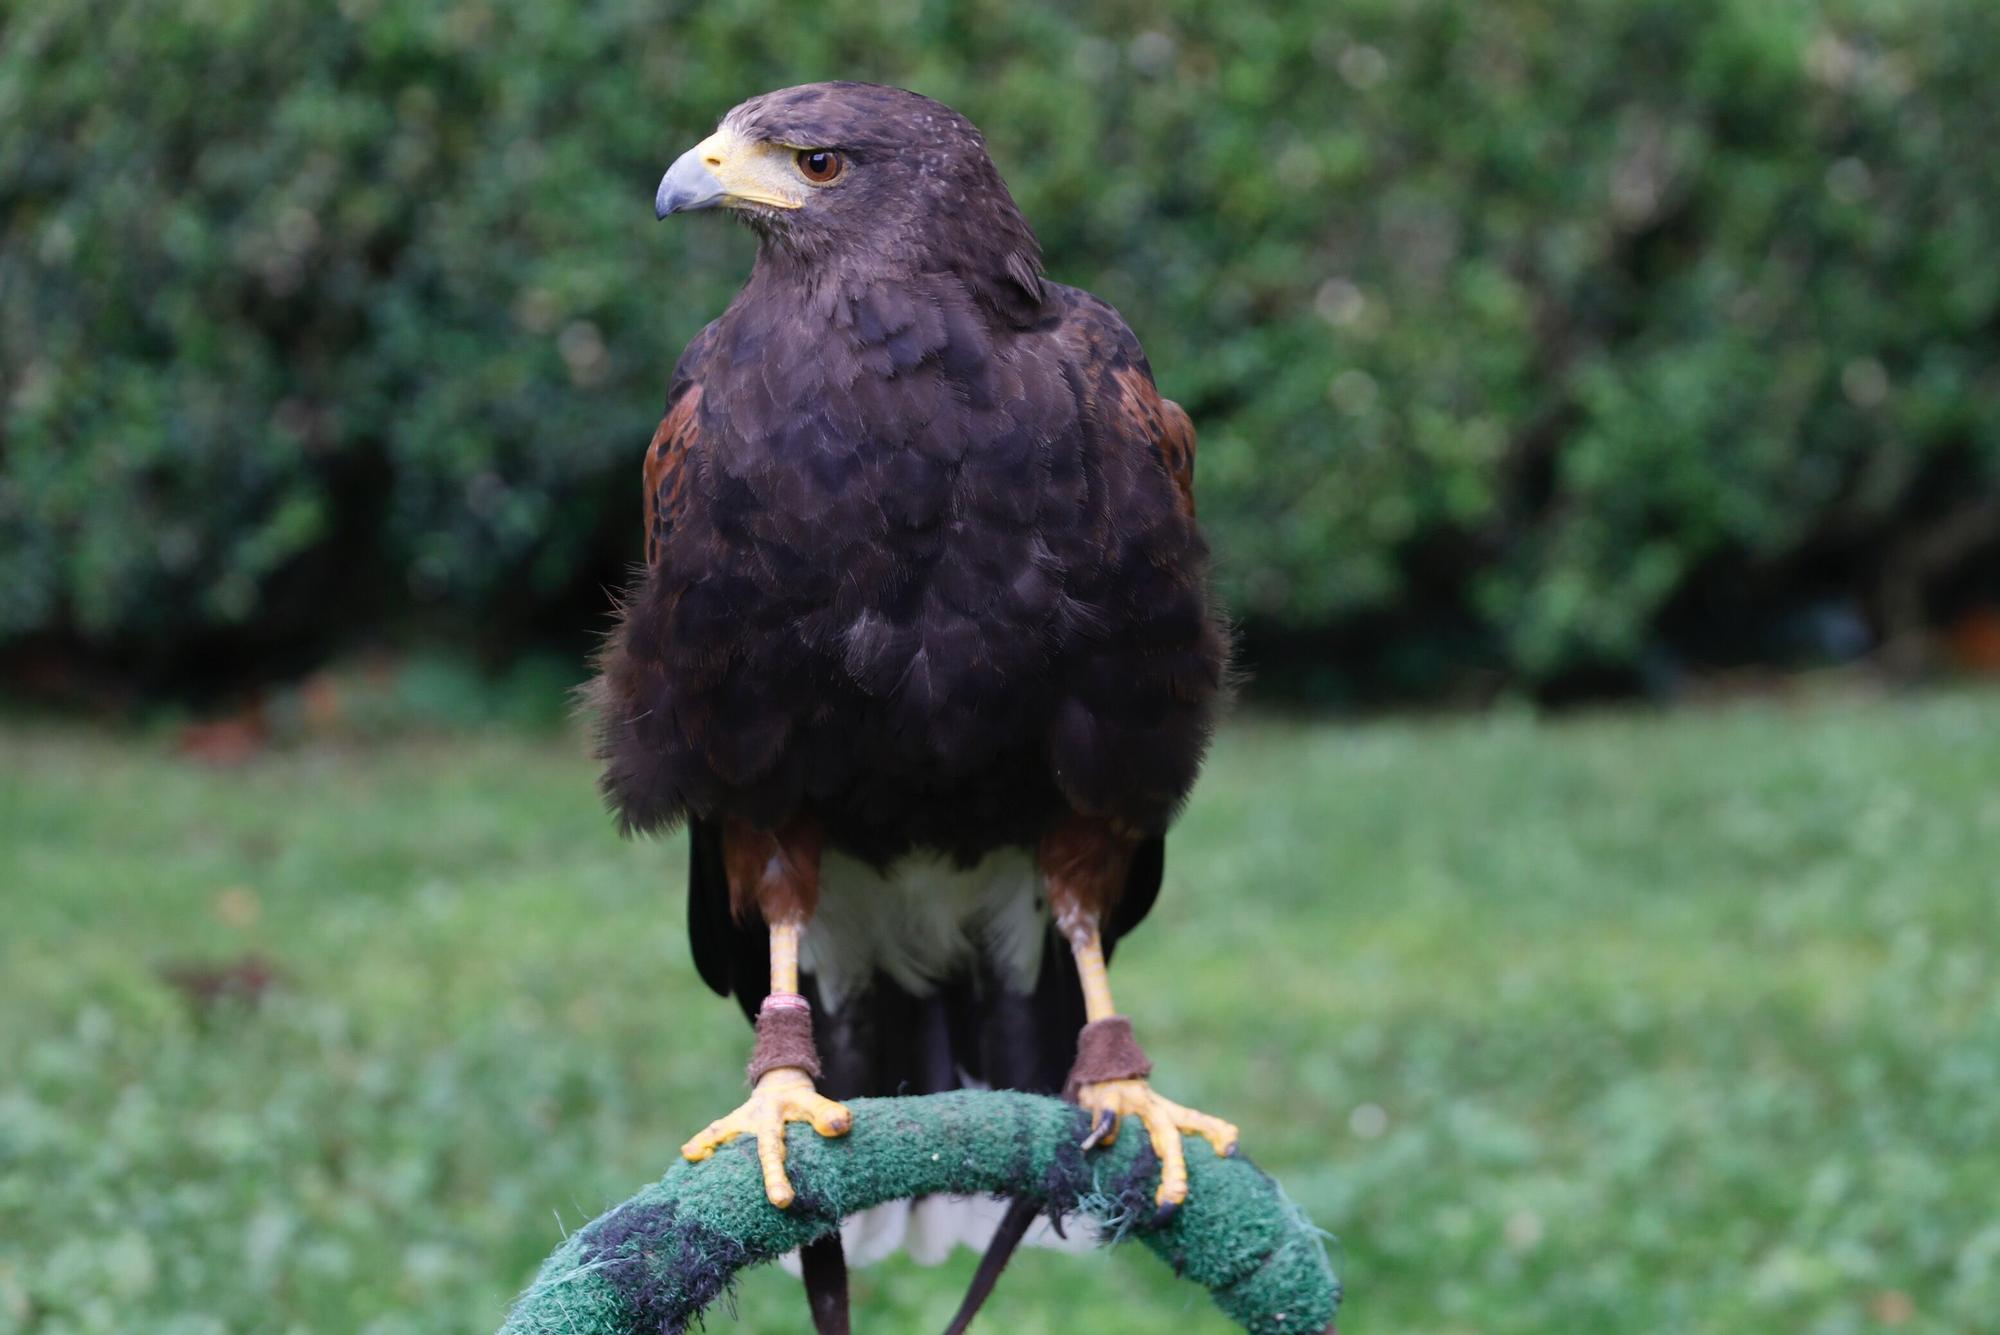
(778, 876)
(1083, 865)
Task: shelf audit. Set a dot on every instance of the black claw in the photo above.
(1099, 1129)
(1165, 1214)
(1230, 1153)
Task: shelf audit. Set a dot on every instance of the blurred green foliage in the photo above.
(1513, 330)
(1550, 1040)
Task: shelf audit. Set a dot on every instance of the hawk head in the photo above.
(867, 179)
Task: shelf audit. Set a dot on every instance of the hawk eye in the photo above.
(819, 165)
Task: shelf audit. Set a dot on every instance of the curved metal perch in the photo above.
(656, 1261)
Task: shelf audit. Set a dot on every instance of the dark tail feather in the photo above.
(886, 1041)
(1040, 1037)
(1014, 1224)
(1043, 1035)
(824, 1267)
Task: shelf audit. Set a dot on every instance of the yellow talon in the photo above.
(1165, 1121)
(784, 1094)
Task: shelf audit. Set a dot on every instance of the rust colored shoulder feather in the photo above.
(1127, 402)
(667, 469)
(1151, 416)
(670, 457)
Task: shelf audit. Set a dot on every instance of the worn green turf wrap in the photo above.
(653, 1263)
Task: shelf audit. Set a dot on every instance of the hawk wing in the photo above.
(730, 956)
(1150, 434)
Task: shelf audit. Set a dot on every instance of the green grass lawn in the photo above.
(1635, 1022)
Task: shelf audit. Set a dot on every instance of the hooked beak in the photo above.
(688, 185)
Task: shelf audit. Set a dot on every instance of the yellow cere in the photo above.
(753, 171)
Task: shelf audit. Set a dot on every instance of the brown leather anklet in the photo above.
(784, 1036)
(1106, 1050)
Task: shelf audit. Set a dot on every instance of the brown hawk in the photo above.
(923, 652)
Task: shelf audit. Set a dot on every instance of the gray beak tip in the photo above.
(687, 186)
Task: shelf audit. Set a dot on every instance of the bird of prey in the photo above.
(922, 652)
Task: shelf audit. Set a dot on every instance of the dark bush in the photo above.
(1551, 337)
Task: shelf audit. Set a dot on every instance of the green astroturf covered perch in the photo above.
(653, 1263)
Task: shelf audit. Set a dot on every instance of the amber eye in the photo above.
(820, 165)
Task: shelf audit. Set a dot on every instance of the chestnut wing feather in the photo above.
(1127, 405)
(668, 467)
(1151, 417)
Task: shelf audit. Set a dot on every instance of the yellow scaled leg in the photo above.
(1109, 1100)
(783, 1094)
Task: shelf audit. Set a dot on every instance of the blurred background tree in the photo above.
(1553, 344)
